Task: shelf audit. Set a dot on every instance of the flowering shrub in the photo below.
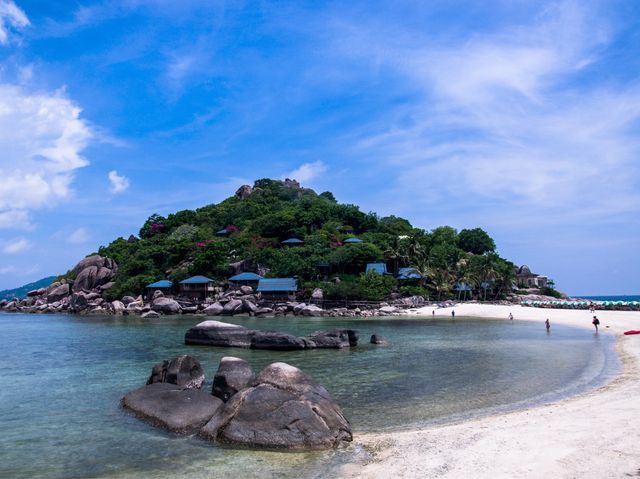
(156, 227)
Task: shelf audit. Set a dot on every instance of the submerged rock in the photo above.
(170, 407)
(379, 340)
(284, 409)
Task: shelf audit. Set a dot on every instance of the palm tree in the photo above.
(396, 253)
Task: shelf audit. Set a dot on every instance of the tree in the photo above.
(476, 241)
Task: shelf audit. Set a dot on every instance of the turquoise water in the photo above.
(63, 376)
(612, 298)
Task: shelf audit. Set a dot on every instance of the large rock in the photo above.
(57, 293)
(79, 301)
(214, 309)
(277, 341)
(244, 192)
(249, 306)
(317, 294)
(184, 371)
(311, 310)
(233, 375)
(118, 307)
(244, 289)
(171, 407)
(379, 340)
(217, 333)
(337, 338)
(284, 409)
(232, 307)
(166, 305)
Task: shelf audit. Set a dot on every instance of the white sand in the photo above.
(594, 435)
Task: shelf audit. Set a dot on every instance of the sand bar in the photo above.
(594, 435)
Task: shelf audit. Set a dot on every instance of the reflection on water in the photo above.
(62, 379)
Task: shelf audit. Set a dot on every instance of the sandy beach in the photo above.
(594, 435)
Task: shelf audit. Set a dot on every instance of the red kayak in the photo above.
(631, 332)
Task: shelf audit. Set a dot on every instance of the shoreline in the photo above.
(594, 434)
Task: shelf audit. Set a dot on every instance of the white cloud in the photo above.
(117, 183)
(308, 171)
(506, 118)
(79, 236)
(41, 138)
(7, 269)
(15, 219)
(15, 246)
(10, 17)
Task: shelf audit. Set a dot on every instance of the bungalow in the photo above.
(278, 288)
(163, 285)
(379, 268)
(196, 287)
(245, 279)
(293, 242)
(353, 240)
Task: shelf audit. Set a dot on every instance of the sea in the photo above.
(63, 377)
(625, 298)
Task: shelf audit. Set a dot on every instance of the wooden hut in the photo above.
(245, 279)
(278, 288)
(196, 287)
(163, 285)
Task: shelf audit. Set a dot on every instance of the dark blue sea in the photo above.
(63, 376)
(612, 298)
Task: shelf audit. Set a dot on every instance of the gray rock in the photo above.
(276, 341)
(379, 340)
(128, 299)
(214, 309)
(233, 306)
(184, 371)
(244, 289)
(249, 307)
(171, 407)
(285, 409)
(165, 305)
(189, 309)
(233, 375)
(244, 191)
(118, 307)
(317, 293)
(388, 310)
(37, 292)
(78, 301)
(148, 314)
(57, 293)
(311, 310)
(338, 338)
(217, 333)
(261, 311)
(158, 294)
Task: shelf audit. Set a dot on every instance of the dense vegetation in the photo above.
(187, 243)
(22, 291)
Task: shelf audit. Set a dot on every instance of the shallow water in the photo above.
(63, 376)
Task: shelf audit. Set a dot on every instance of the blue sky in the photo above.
(517, 116)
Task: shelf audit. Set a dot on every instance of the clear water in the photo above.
(63, 376)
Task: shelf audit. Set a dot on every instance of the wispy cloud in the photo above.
(11, 17)
(79, 236)
(16, 246)
(7, 269)
(308, 171)
(15, 219)
(117, 183)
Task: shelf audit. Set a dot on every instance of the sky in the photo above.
(520, 117)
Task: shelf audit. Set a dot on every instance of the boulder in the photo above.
(57, 293)
(388, 310)
(128, 299)
(379, 340)
(261, 311)
(184, 371)
(233, 375)
(233, 306)
(148, 314)
(276, 341)
(214, 309)
(158, 294)
(166, 305)
(117, 306)
(79, 301)
(337, 338)
(311, 310)
(217, 333)
(189, 309)
(37, 292)
(96, 261)
(284, 409)
(246, 289)
(244, 192)
(317, 294)
(249, 306)
(171, 407)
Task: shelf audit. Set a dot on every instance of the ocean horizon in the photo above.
(624, 297)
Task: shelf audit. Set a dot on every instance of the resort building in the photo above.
(163, 285)
(526, 279)
(245, 279)
(278, 288)
(380, 268)
(352, 241)
(293, 242)
(196, 287)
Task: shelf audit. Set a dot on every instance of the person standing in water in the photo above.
(595, 322)
(453, 314)
(547, 325)
(510, 317)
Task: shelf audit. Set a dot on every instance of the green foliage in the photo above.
(550, 292)
(476, 241)
(185, 243)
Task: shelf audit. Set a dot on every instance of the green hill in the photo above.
(246, 230)
(22, 291)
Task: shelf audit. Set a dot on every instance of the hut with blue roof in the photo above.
(292, 242)
(352, 240)
(278, 288)
(245, 279)
(196, 287)
(164, 285)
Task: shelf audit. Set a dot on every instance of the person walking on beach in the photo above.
(547, 325)
(595, 322)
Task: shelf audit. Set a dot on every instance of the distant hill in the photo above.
(22, 291)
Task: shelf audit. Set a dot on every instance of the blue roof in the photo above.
(409, 273)
(245, 277)
(463, 287)
(380, 268)
(223, 231)
(278, 284)
(196, 280)
(163, 283)
(353, 240)
(293, 241)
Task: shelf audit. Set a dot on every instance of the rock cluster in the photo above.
(279, 408)
(217, 333)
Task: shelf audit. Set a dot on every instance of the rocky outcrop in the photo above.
(284, 409)
(166, 305)
(184, 371)
(170, 407)
(233, 375)
(93, 272)
(217, 333)
(57, 291)
(244, 192)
